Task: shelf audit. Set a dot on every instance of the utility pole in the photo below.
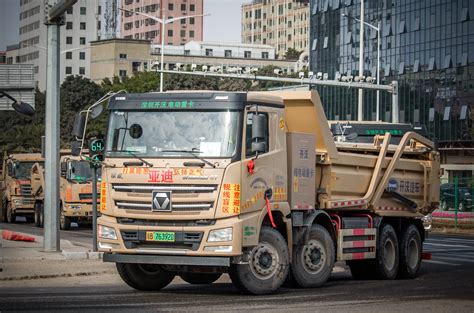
(54, 18)
(360, 109)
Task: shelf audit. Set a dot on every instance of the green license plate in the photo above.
(160, 236)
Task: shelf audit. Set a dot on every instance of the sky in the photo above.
(223, 25)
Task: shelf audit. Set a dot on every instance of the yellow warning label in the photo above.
(231, 198)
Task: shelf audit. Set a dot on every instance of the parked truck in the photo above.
(15, 186)
(75, 191)
(255, 184)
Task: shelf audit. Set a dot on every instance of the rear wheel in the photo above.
(268, 265)
(64, 221)
(386, 261)
(39, 214)
(443, 206)
(410, 252)
(3, 211)
(313, 262)
(144, 276)
(200, 278)
(11, 216)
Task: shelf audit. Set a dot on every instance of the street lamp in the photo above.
(19, 106)
(163, 22)
(377, 29)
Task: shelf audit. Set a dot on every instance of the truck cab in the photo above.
(16, 186)
(75, 191)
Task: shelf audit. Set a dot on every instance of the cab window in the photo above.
(248, 135)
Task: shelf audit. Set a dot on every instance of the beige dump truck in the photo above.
(75, 190)
(198, 184)
(15, 186)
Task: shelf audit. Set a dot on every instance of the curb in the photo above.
(82, 255)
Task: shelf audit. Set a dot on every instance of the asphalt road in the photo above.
(445, 284)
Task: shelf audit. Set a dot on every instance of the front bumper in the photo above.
(23, 205)
(190, 240)
(167, 259)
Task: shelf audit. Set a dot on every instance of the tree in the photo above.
(292, 54)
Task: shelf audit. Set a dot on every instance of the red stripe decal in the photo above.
(358, 232)
(358, 256)
(358, 244)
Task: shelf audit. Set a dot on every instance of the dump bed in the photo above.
(389, 179)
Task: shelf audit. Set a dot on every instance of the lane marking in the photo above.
(444, 245)
(454, 259)
(441, 262)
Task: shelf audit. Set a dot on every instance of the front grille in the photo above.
(148, 188)
(177, 207)
(25, 189)
(146, 222)
(134, 239)
(28, 201)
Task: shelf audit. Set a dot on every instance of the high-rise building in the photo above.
(283, 24)
(427, 46)
(75, 35)
(109, 19)
(176, 33)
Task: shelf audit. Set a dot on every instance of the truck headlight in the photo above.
(224, 234)
(75, 207)
(107, 232)
(17, 202)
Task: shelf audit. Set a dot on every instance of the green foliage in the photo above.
(292, 54)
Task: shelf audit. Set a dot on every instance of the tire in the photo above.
(146, 277)
(362, 269)
(11, 217)
(313, 262)
(410, 252)
(387, 256)
(200, 278)
(3, 211)
(64, 221)
(443, 205)
(39, 214)
(268, 266)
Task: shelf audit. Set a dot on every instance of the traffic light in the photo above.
(96, 151)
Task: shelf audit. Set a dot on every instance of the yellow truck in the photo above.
(15, 186)
(255, 184)
(75, 190)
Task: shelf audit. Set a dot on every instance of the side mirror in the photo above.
(63, 169)
(259, 133)
(79, 125)
(96, 111)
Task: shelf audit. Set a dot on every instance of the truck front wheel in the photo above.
(64, 221)
(313, 262)
(410, 252)
(144, 276)
(268, 265)
(200, 278)
(39, 214)
(386, 261)
(11, 216)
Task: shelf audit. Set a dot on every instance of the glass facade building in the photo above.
(425, 45)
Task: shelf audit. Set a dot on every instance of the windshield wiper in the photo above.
(193, 152)
(134, 155)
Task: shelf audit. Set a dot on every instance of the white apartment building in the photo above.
(218, 50)
(110, 19)
(80, 28)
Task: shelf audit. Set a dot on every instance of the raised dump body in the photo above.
(253, 184)
(15, 186)
(75, 191)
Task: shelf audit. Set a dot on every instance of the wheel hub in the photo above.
(264, 261)
(314, 256)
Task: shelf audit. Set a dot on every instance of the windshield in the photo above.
(173, 133)
(79, 171)
(23, 169)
